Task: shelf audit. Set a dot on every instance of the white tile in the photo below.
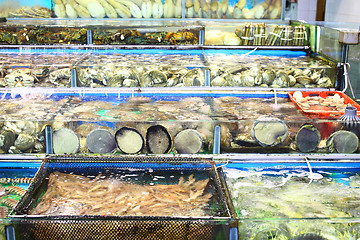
(313, 5)
(312, 15)
(303, 15)
(303, 4)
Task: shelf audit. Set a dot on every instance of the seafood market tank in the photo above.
(221, 111)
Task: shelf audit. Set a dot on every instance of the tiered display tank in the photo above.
(126, 119)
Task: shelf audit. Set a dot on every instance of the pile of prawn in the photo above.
(70, 194)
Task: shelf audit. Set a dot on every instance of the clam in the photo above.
(236, 80)
(268, 76)
(130, 83)
(282, 79)
(194, 77)
(247, 80)
(324, 82)
(24, 142)
(259, 79)
(254, 71)
(292, 80)
(149, 78)
(219, 81)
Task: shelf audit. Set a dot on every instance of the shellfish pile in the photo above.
(111, 76)
(30, 70)
(141, 70)
(273, 72)
(269, 9)
(117, 8)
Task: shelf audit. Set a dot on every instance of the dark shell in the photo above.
(123, 137)
(307, 138)
(309, 236)
(100, 141)
(158, 140)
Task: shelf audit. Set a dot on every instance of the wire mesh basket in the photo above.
(213, 224)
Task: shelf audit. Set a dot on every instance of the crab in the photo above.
(181, 36)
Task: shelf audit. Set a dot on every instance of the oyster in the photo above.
(130, 83)
(236, 80)
(88, 76)
(7, 139)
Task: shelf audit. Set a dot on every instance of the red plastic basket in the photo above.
(323, 114)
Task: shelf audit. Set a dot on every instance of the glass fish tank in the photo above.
(274, 69)
(41, 32)
(156, 122)
(139, 197)
(133, 124)
(142, 68)
(256, 34)
(117, 9)
(25, 9)
(15, 178)
(154, 32)
(271, 123)
(230, 9)
(288, 200)
(37, 68)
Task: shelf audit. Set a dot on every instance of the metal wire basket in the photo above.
(215, 225)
